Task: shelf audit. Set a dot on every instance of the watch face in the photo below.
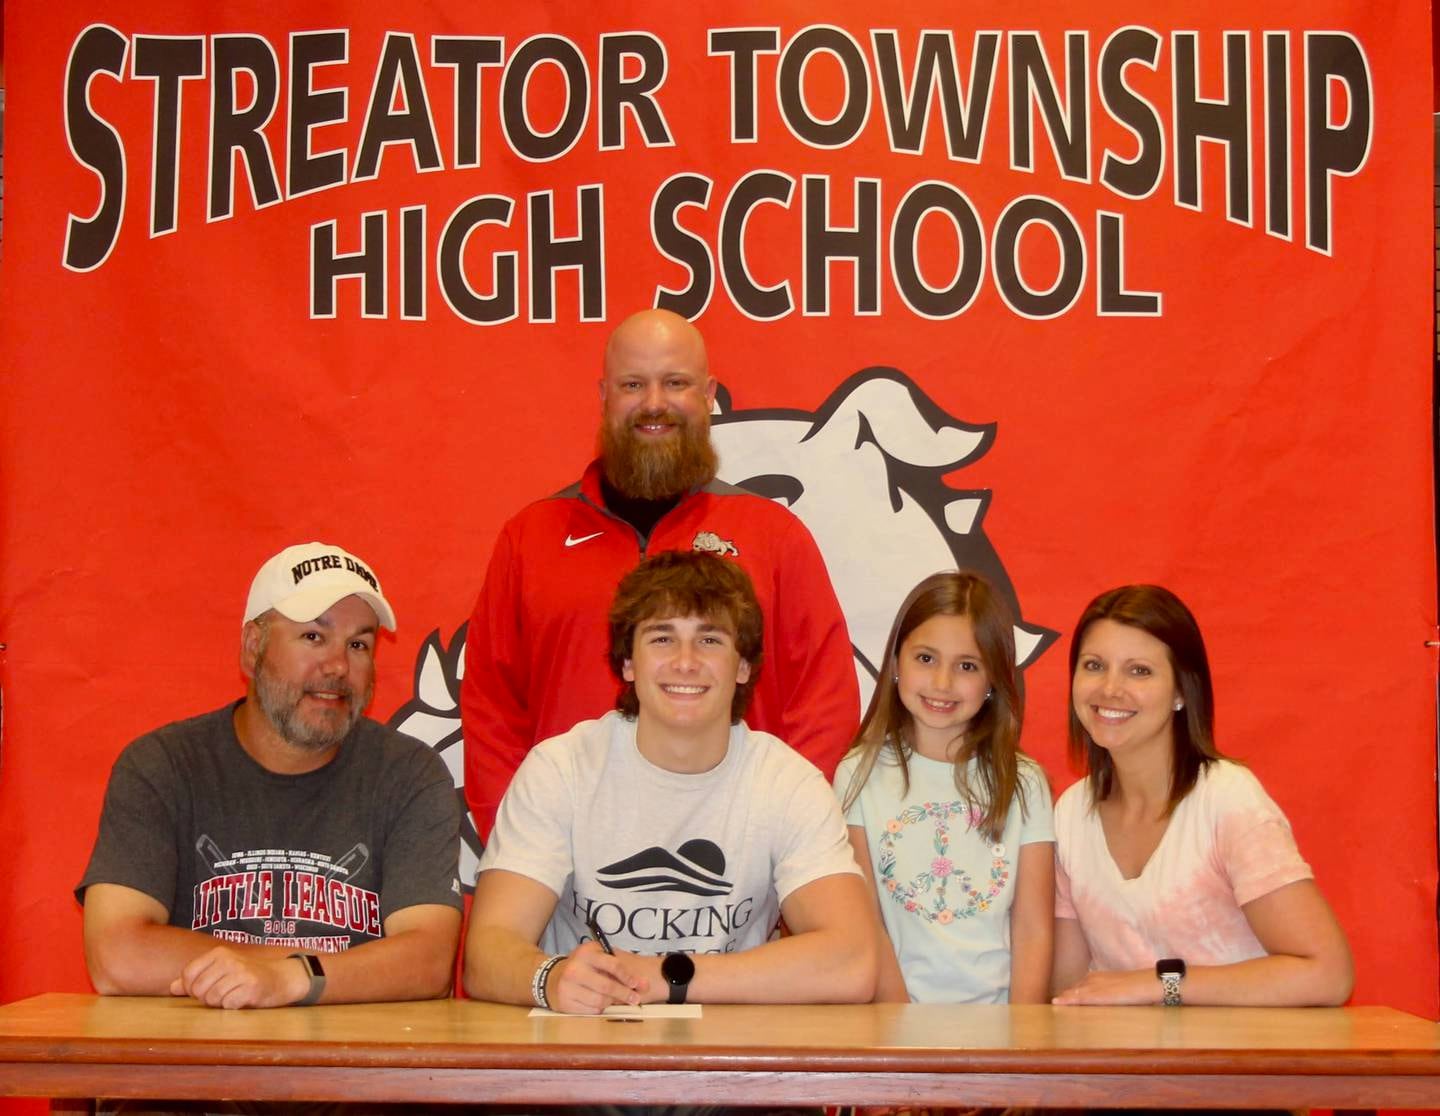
(1170, 966)
(312, 963)
(677, 968)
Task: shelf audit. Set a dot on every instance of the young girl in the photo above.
(950, 823)
(1179, 879)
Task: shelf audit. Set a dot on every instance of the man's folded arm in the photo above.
(828, 956)
(507, 917)
(415, 960)
(131, 950)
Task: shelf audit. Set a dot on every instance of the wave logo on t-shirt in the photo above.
(867, 473)
(696, 868)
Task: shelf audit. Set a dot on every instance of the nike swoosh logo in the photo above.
(572, 541)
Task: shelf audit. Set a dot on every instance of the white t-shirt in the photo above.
(668, 862)
(1227, 843)
(945, 889)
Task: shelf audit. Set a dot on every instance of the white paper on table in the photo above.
(626, 1011)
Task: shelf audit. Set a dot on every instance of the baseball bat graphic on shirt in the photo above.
(350, 863)
(210, 853)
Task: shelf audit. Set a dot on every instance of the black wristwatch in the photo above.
(1171, 971)
(678, 970)
(317, 978)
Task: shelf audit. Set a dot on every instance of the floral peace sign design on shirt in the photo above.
(928, 894)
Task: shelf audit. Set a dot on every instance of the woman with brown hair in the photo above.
(1177, 877)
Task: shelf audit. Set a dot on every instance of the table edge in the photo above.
(699, 1058)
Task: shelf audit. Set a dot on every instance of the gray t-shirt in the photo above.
(315, 861)
(667, 861)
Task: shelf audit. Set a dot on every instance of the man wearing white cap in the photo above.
(285, 849)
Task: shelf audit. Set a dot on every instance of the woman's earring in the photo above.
(988, 693)
(1179, 705)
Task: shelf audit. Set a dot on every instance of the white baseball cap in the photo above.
(303, 581)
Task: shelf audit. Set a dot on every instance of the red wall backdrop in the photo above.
(1144, 320)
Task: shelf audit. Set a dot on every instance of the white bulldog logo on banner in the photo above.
(865, 473)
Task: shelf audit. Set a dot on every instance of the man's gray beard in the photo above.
(280, 700)
(660, 470)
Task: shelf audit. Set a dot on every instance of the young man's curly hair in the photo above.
(686, 583)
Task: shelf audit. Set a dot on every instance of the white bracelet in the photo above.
(541, 978)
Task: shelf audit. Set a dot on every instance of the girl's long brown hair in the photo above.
(993, 737)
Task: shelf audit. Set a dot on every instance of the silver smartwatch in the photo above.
(316, 972)
(1171, 971)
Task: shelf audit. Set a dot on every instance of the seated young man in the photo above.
(672, 830)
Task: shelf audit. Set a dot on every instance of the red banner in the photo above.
(1081, 296)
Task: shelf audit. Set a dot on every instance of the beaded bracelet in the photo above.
(541, 978)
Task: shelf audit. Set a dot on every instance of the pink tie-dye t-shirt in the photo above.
(1227, 843)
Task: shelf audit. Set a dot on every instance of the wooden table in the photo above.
(448, 1050)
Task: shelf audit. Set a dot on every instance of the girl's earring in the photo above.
(988, 693)
(1179, 705)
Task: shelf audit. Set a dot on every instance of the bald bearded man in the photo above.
(535, 654)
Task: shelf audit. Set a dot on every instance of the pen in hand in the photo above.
(597, 933)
